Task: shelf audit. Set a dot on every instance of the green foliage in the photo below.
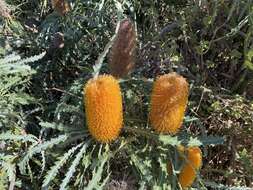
(73, 166)
(14, 80)
(38, 148)
(61, 161)
(44, 140)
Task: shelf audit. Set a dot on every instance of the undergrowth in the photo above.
(47, 55)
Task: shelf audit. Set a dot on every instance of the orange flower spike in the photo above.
(193, 163)
(103, 107)
(168, 103)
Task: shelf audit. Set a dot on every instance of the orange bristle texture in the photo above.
(61, 6)
(103, 107)
(122, 55)
(193, 163)
(168, 103)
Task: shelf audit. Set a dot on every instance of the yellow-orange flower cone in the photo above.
(193, 163)
(168, 103)
(103, 107)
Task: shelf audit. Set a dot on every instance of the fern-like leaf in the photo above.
(205, 140)
(14, 64)
(48, 125)
(169, 140)
(10, 58)
(55, 169)
(24, 138)
(97, 175)
(72, 168)
(33, 58)
(39, 148)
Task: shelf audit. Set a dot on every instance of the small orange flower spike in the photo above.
(193, 163)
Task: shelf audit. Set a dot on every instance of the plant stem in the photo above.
(142, 132)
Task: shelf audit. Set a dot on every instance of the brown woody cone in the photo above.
(61, 6)
(122, 55)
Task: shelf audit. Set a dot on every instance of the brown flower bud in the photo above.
(61, 6)
(122, 55)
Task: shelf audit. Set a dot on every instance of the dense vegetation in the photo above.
(50, 49)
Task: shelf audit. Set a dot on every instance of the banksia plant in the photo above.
(103, 107)
(61, 6)
(122, 55)
(193, 163)
(168, 103)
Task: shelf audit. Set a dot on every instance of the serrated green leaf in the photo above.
(169, 140)
(205, 140)
(97, 175)
(55, 169)
(72, 168)
(23, 138)
(37, 148)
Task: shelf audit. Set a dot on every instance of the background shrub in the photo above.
(44, 140)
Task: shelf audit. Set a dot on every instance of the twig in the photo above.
(200, 101)
(140, 131)
(65, 92)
